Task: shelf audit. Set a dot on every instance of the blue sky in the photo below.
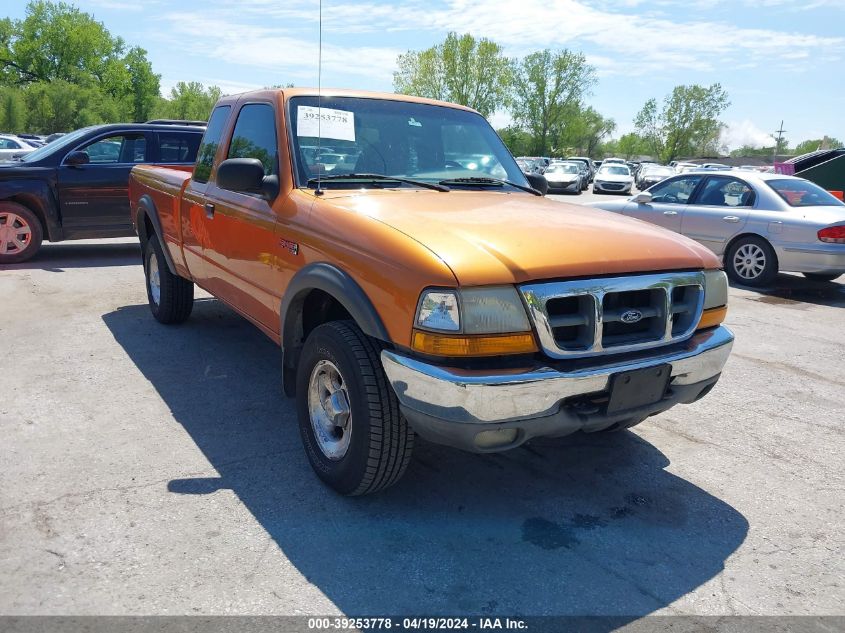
(778, 59)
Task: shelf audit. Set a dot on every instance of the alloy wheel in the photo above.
(15, 233)
(749, 261)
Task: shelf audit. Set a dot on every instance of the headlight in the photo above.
(490, 310)
(493, 311)
(438, 310)
(715, 289)
(469, 322)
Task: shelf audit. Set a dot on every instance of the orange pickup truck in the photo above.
(419, 283)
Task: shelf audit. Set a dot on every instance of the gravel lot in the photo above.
(155, 470)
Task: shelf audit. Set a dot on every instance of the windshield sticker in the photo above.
(412, 121)
(334, 124)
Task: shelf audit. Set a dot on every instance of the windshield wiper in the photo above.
(493, 182)
(410, 181)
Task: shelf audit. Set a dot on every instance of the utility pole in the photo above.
(780, 133)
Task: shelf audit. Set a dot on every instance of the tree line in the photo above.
(545, 93)
(60, 70)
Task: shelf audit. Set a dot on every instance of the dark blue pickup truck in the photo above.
(76, 187)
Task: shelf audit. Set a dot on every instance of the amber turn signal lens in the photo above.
(712, 317)
(444, 345)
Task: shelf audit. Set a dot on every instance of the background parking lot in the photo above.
(150, 469)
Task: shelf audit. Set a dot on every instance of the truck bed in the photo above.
(164, 186)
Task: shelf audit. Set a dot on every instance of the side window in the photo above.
(7, 143)
(724, 191)
(210, 142)
(676, 190)
(177, 147)
(255, 136)
(121, 148)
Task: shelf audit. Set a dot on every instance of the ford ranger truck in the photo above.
(419, 283)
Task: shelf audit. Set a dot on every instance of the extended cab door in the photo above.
(240, 227)
(94, 197)
(192, 213)
(669, 202)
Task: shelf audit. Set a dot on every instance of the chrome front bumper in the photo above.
(449, 398)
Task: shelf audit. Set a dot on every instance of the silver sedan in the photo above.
(758, 223)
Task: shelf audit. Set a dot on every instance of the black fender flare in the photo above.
(147, 208)
(339, 285)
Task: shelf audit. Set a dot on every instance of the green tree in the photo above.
(462, 69)
(548, 88)
(518, 141)
(12, 110)
(60, 106)
(191, 101)
(811, 145)
(686, 122)
(585, 132)
(630, 145)
(56, 42)
(749, 151)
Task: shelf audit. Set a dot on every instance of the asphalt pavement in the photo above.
(147, 469)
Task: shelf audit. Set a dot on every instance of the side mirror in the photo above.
(246, 175)
(74, 159)
(538, 182)
(643, 197)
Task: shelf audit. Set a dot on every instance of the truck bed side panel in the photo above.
(164, 185)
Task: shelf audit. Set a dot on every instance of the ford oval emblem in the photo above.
(631, 316)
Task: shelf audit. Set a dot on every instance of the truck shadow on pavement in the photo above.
(56, 257)
(575, 526)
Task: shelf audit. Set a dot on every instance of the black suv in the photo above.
(76, 187)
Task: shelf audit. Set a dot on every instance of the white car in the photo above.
(613, 178)
(565, 178)
(759, 224)
(12, 147)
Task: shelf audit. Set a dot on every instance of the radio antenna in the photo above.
(318, 191)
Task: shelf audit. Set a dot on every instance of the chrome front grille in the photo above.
(620, 314)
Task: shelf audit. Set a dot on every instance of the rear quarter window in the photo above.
(178, 147)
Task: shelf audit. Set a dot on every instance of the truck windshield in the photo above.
(416, 141)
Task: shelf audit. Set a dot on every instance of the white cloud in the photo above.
(623, 41)
(745, 133)
(275, 48)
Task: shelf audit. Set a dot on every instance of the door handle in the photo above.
(670, 213)
(730, 218)
(209, 210)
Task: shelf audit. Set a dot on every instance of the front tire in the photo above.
(20, 233)
(354, 435)
(822, 276)
(171, 297)
(751, 261)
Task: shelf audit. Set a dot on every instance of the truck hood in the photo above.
(498, 237)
